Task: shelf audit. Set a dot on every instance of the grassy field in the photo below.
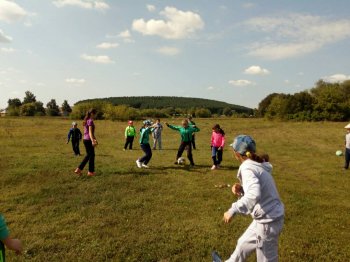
(167, 213)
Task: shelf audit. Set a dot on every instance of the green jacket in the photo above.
(144, 135)
(186, 133)
(130, 131)
(4, 233)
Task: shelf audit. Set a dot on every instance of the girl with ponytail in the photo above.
(257, 196)
(90, 143)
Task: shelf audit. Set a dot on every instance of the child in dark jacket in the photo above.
(76, 136)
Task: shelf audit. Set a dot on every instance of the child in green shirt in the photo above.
(186, 132)
(6, 240)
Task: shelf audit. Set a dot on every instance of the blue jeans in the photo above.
(216, 155)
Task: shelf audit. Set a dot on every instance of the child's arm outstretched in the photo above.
(10, 243)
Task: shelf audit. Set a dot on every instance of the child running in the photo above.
(89, 142)
(130, 134)
(145, 131)
(217, 146)
(186, 132)
(76, 136)
(6, 240)
(258, 197)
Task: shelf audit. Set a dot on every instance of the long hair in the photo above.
(217, 126)
(88, 115)
(258, 158)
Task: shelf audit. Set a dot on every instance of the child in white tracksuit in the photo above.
(260, 199)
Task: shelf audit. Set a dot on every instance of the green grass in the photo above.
(167, 213)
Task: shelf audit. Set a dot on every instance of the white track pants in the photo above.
(260, 237)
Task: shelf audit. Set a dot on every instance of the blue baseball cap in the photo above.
(243, 143)
(147, 122)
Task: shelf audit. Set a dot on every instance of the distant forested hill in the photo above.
(161, 102)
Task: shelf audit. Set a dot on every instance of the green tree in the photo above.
(27, 109)
(227, 111)
(265, 103)
(29, 98)
(66, 109)
(52, 108)
(15, 102)
(203, 112)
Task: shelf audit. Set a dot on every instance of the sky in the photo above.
(234, 51)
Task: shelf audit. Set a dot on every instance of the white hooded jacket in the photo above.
(261, 199)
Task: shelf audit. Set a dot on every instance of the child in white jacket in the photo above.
(258, 197)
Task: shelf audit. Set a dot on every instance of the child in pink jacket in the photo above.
(217, 145)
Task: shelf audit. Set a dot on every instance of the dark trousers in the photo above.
(216, 155)
(347, 158)
(148, 153)
(188, 147)
(193, 141)
(75, 146)
(90, 156)
(128, 142)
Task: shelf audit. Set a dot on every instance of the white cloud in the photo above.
(106, 45)
(11, 12)
(177, 24)
(125, 34)
(75, 81)
(7, 50)
(86, 4)
(336, 78)
(4, 38)
(210, 88)
(167, 50)
(248, 5)
(151, 8)
(295, 35)
(101, 59)
(256, 70)
(241, 82)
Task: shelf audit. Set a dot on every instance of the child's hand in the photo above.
(13, 244)
(94, 142)
(237, 190)
(227, 217)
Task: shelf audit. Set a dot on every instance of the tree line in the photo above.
(325, 101)
(122, 108)
(31, 107)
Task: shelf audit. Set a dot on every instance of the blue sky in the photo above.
(228, 50)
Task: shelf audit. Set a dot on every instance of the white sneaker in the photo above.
(145, 166)
(213, 167)
(138, 163)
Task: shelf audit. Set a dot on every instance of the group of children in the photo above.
(187, 133)
(257, 193)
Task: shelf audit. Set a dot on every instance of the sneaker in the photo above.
(145, 166)
(90, 173)
(77, 171)
(214, 167)
(176, 163)
(138, 163)
(124, 149)
(216, 257)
